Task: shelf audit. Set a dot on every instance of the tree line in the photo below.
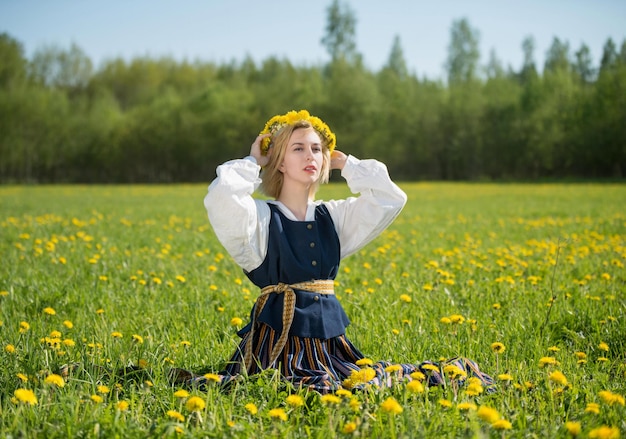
(161, 120)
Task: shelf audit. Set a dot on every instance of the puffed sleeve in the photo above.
(239, 220)
(359, 220)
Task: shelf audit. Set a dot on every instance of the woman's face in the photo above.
(303, 160)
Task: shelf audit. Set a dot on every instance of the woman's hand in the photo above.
(255, 151)
(337, 160)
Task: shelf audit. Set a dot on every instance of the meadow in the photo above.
(526, 279)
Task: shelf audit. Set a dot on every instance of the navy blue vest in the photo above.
(300, 251)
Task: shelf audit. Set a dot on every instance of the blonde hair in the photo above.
(272, 177)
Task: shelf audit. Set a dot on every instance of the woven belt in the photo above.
(315, 286)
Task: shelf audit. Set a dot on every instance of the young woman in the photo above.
(291, 247)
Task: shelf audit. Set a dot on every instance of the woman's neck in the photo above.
(296, 202)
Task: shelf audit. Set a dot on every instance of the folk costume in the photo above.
(297, 325)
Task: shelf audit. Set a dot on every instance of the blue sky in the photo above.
(226, 30)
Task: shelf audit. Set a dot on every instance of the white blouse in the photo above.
(241, 222)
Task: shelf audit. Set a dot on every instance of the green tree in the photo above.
(340, 37)
(396, 62)
(557, 57)
(609, 55)
(584, 64)
(461, 154)
(463, 53)
(13, 65)
(68, 69)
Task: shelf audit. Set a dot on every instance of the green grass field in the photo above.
(528, 280)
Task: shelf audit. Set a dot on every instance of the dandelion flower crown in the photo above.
(281, 120)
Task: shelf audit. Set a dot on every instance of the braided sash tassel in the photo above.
(317, 286)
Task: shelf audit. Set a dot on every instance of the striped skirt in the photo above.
(328, 365)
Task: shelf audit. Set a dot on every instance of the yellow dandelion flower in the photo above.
(502, 424)
(390, 405)
(415, 386)
(122, 406)
(103, 389)
(330, 399)
(137, 339)
(213, 377)
(430, 367)
(445, 403)
(558, 378)
(603, 347)
(181, 394)
(445, 320)
(406, 298)
(496, 306)
(50, 311)
(343, 392)
(185, 343)
(466, 406)
(251, 408)
(417, 375)
(181, 279)
(604, 432)
(580, 355)
(96, 399)
(364, 362)
(236, 321)
(178, 429)
(488, 414)
(554, 349)
(9, 349)
(69, 342)
(457, 318)
(278, 414)
(547, 361)
(25, 396)
(116, 334)
(295, 401)
(393, 368)
(55, 334)
(498, 347)
(175, 415)
(23, 378)
(349, 427)
(593, 407)
(602, 359)
(99, 311)
(454, 371)
(427, 287)
(474, 389)
(24, 326)
(362, 376)
(195, 404)
(573, 428)
(55, 380)
(611, 398)
(505, 377)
